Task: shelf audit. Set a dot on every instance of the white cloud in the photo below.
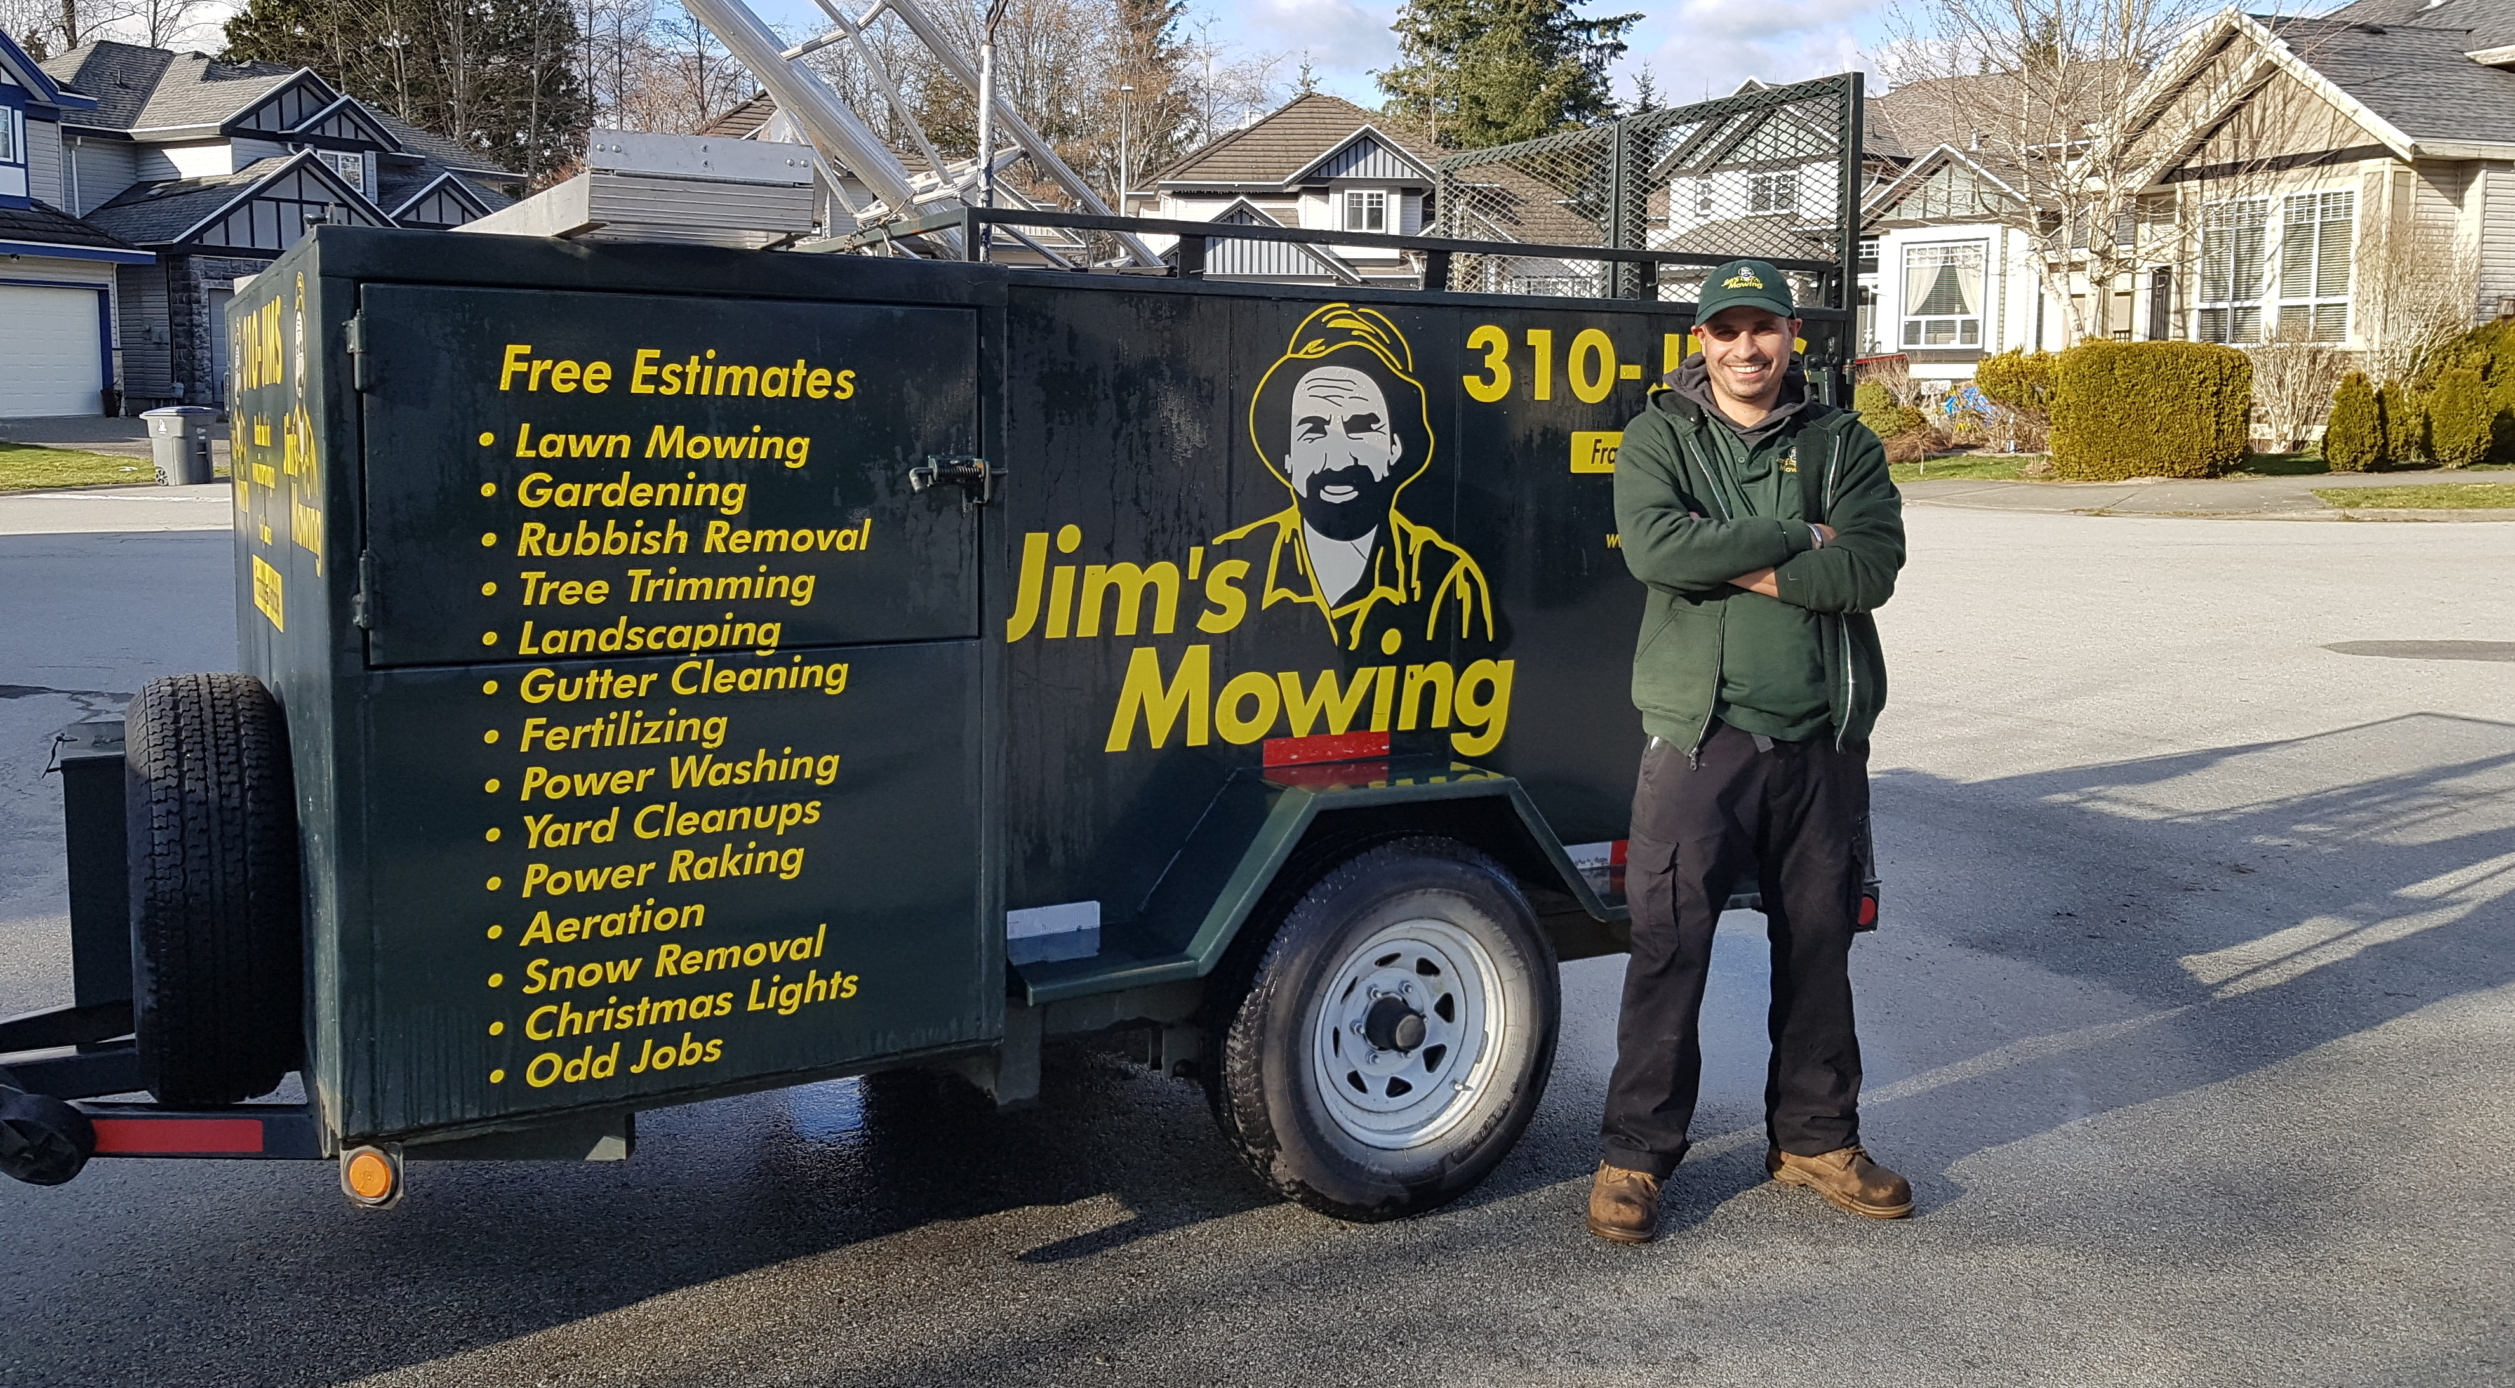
(1707, 47)
(1343, 39)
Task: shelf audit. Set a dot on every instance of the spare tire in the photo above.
(217, 944)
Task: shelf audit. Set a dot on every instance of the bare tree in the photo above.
(2293, 380)
(2022, 86)
(2414, 296)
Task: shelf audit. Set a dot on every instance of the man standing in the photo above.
(1765, 529)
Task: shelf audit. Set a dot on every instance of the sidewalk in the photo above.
(2254, 498)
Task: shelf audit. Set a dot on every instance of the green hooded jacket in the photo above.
(1684, 535)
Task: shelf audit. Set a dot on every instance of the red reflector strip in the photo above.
(1297, 751)
(1615, 855)
(151, 1137)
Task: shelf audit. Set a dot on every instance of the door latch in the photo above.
(976, 478)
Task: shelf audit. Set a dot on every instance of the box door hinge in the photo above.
(361, 371)
(362, 604)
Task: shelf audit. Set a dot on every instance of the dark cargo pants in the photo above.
(1789, 813)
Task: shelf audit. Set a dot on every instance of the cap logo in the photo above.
(1744, 279)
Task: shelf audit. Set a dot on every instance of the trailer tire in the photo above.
(43, 1141)
(217, 944)
(1395, 1036)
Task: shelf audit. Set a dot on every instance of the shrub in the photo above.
(2019, 384)
(2353, 437)
(2149, 409)
(2017, 379)
(2405, 426)
(2461, 418)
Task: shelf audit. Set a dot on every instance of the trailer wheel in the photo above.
(43, 1141)
(217, 951)
(1396, 1036)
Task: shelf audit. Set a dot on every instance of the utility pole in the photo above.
(1126, 104)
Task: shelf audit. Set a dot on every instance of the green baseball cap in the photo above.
(1751, 282)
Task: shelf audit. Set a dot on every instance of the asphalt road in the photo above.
(2190, 1022)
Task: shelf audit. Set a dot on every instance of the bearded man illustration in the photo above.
(1341, 420)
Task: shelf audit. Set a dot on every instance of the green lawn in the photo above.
(1988, 467)
(2435, 496)
(24, 467)
(2011, 467)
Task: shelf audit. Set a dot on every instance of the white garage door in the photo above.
(50, 359)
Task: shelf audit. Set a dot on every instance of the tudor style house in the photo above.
(1316, 162)
(153, 180)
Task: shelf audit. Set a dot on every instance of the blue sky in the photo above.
(1694, 47)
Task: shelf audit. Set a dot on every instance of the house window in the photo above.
(1773, 192)
(1706, 197)
(2314, 244)
(1868, 263)
(351, 166)
(1943, 294)
(12, 136)
(1366, 211)
(2231, 270)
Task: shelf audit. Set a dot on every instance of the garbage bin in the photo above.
(179, 437)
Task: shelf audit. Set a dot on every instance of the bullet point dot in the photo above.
(489, 539)
(490, 785)
(497, 980)
(487, 438)
(497, 1028)
(488, 489)
(496, 930)
(488, 686)
(489, 590)
(489, 638)
(497, 1077)
(489, 736)
(496, 882)
(493, 836)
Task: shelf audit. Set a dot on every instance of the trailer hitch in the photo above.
(976, 478)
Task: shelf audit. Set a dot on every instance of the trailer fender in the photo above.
(1269, 832)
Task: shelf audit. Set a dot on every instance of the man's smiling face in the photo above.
(1344, 453)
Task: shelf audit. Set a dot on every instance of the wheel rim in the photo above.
(1376, 1089)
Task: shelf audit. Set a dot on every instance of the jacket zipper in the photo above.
(1692, 443)
(1833, 463)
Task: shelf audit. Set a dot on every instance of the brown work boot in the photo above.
(1847, 1178)
(1624, 1205)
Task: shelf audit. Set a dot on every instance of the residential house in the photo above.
(57, 273)
(196, 171)
(2327, 173)
(1316, 162)
(1948, 272)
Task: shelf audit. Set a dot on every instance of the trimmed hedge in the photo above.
(2461, 418)
(2149, 409)
(2353, 437)
(2405, 425)
(1877, 409)
(2017, 379)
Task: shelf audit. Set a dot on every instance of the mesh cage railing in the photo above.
(1772, 173)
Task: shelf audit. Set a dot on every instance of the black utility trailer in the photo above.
(672, 673)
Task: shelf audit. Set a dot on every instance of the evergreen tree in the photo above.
(1488, 72)
(495, 76)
